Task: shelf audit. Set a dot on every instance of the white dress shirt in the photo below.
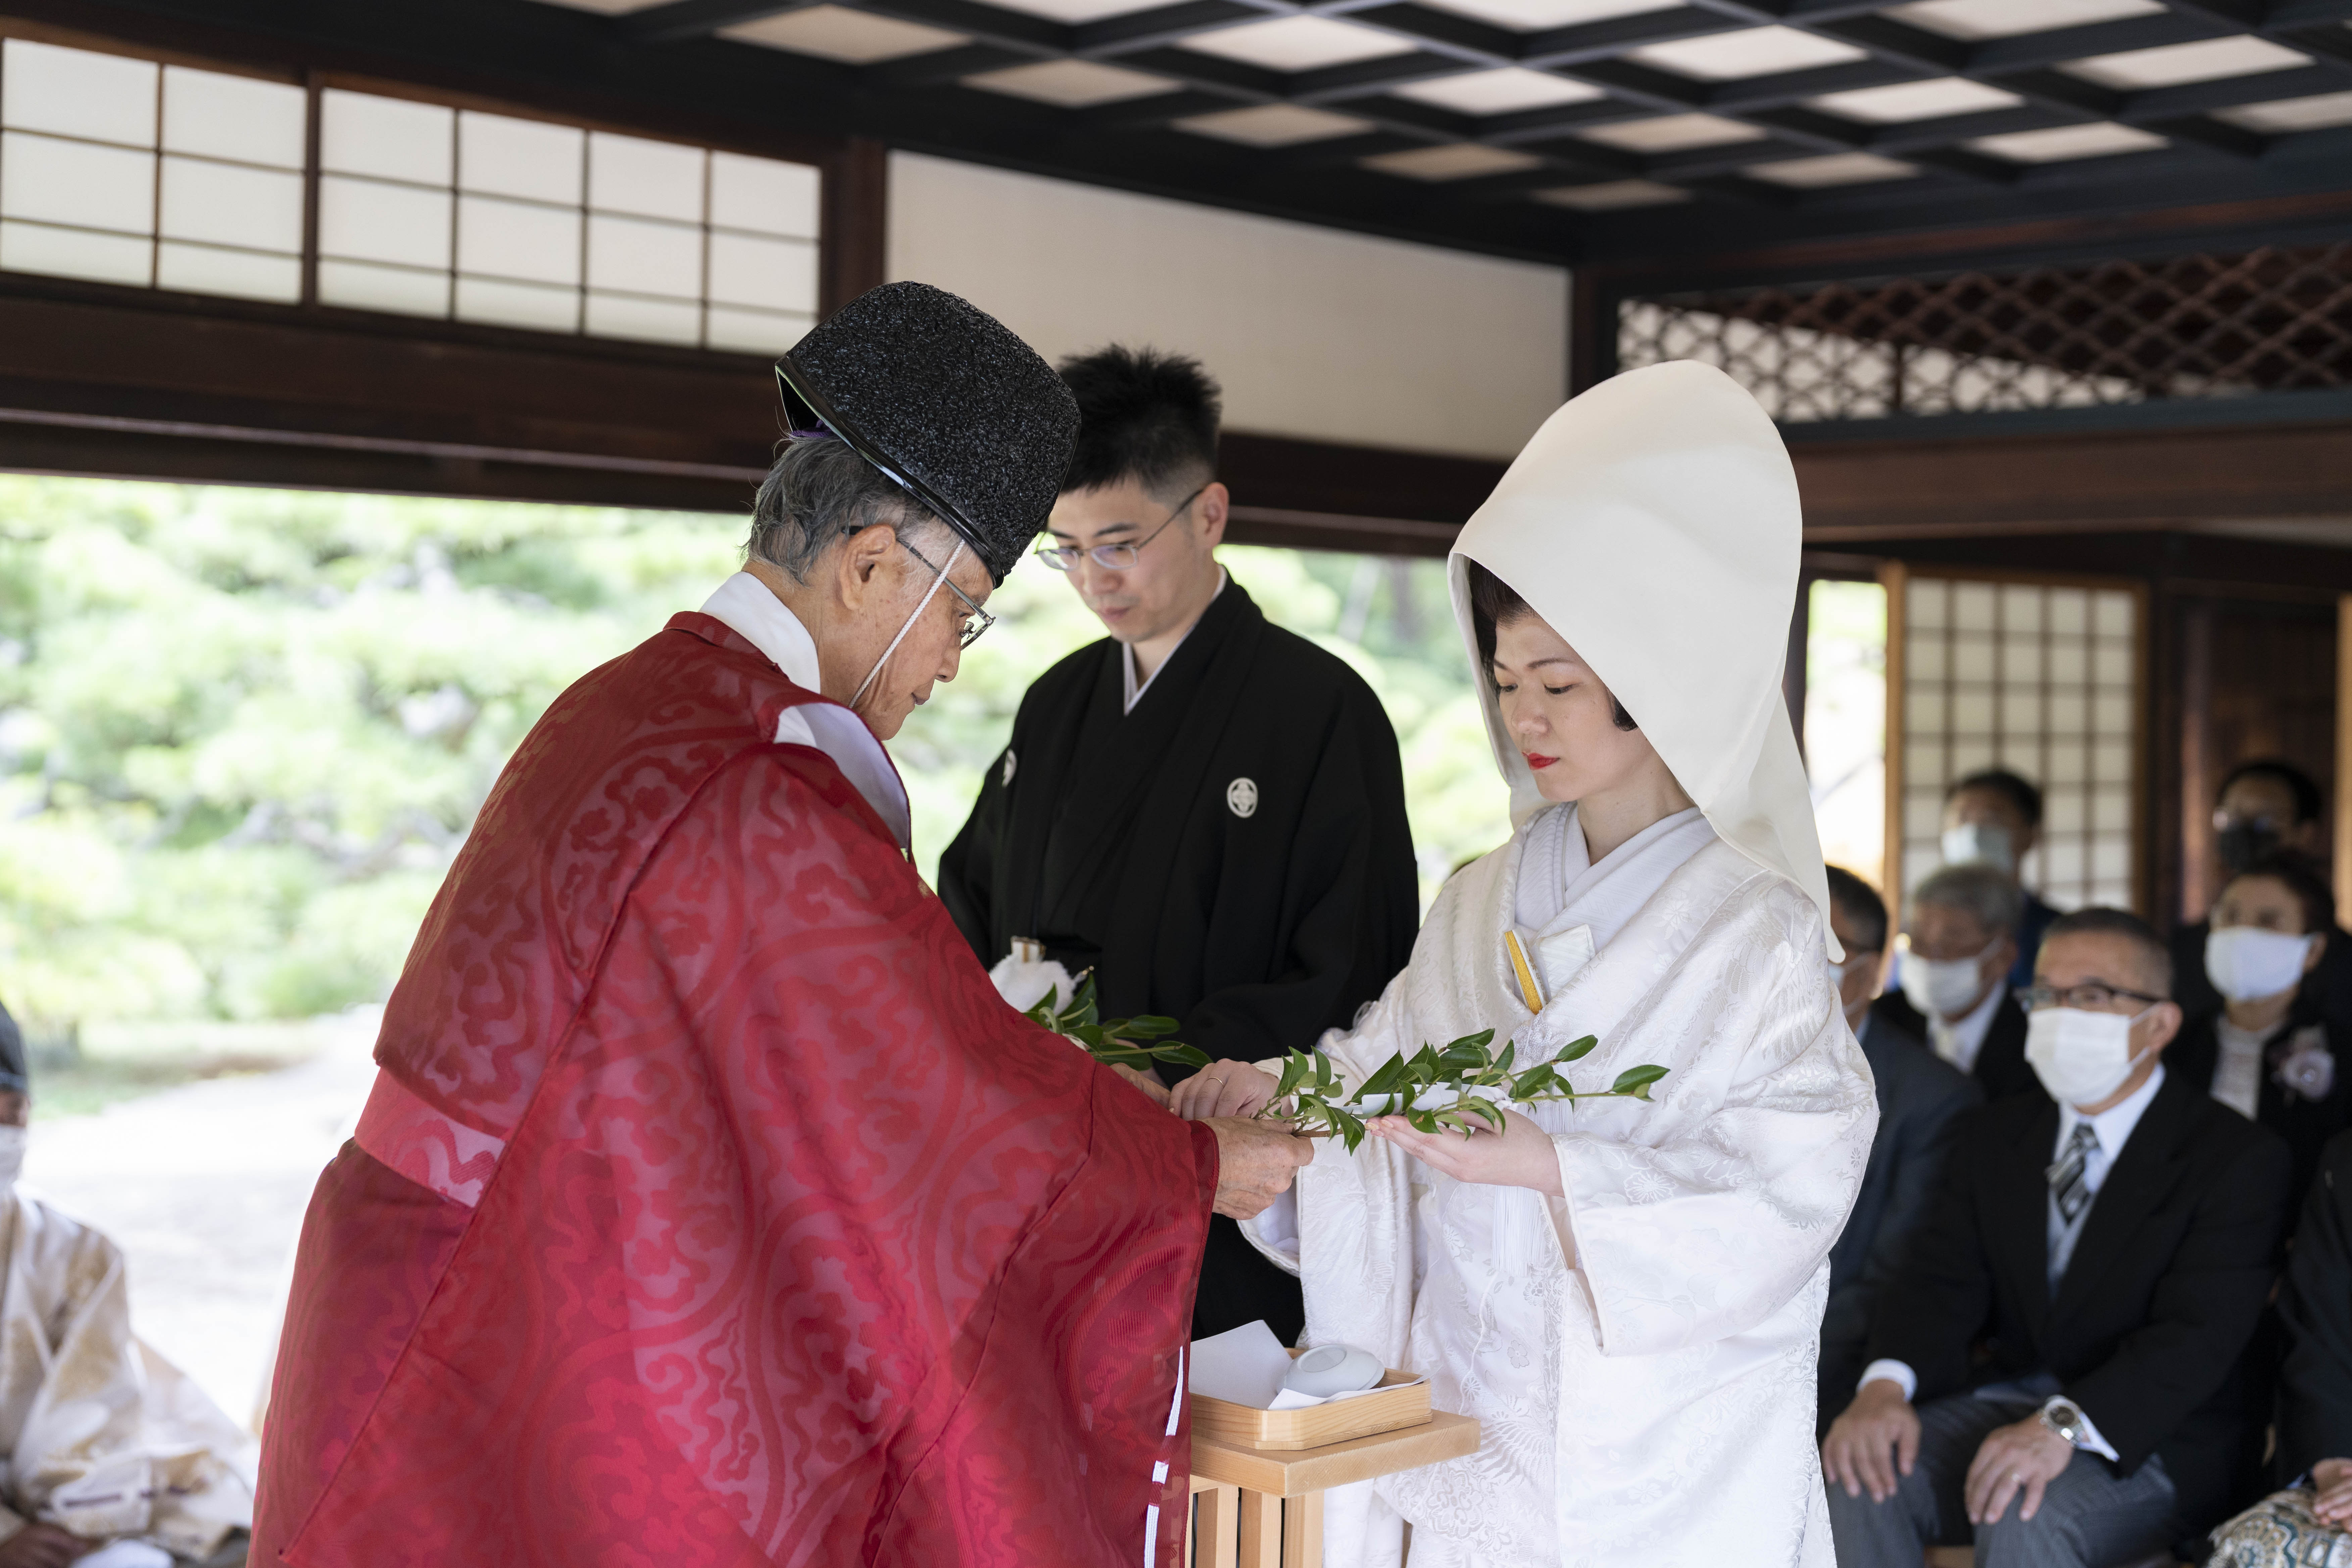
(2238, 1075)
(1960, 1041)
(2113, 1128)
(755, 614)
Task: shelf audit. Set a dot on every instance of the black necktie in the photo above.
(2066, 1178)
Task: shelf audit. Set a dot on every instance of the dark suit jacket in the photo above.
(1919, 1095)
(2153, 1330)
(2316, 1309)
(2030, 927)
(2001, 1069)
(2326, 990)
(2305, 1124)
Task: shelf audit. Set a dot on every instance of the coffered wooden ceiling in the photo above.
(1570, 130)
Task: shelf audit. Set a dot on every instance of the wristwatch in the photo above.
(2063, 1417)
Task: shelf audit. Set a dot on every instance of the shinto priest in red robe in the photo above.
(710, 1207)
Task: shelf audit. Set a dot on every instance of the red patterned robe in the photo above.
(711, 1208)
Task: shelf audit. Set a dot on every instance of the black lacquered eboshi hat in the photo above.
(943, 399)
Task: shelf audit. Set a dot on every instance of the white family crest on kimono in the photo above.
(1654, 1401)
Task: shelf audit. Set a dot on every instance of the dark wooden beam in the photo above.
(1870, 494)
(851, 257)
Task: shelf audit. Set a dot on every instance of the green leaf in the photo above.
(1637, 1081)
(1294, 1068)
(1425, 1120)
(1350, 1131)
(1177, 1051)
(1147, 1027)
(1392, 1076)
(1577, 1051)
(1485, 1110)
(1503, 1062)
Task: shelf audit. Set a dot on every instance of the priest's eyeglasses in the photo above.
(974, 619)
(1112, 557)
(2093, 997)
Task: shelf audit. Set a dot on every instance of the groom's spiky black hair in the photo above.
(1144, 415)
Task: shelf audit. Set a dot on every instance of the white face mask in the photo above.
(1945, 987)
(2246, 964)
(12, 1153)
(2081, 1058)
(1979, 841)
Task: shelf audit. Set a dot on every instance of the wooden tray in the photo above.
(1395, 1406)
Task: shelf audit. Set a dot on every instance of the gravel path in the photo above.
(204, 1188)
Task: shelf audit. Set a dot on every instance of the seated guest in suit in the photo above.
(2266, 1051)
(1956, 960)
(2111, 1247)
(1994, 818)
(1919, 1094)
(2266, 810)
(2309, 1524)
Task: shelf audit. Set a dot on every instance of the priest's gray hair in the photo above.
(1985, 894)
(819, 490)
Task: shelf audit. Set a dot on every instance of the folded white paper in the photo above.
(1246, 1366)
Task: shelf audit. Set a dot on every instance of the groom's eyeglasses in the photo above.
(1112, 557)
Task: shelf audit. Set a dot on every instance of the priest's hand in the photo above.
(1150, 1084)
(2332, 1479)
(44, 1546)
(1520, 1155)
(1877, 1435)
(1256, 1160)
(2025, 1454)
(1222, 1089)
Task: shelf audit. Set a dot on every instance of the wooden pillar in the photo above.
(1302, 1531)
(1895, 577)
(851, 255)
(1591, 330)
(1260, 1531)
(2343, 746)
(1217, 1530)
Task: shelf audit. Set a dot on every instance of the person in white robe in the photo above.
(1627, 1295)
(109, 1456)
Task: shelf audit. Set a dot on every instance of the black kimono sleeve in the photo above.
(2316, 1306)
(968, 865)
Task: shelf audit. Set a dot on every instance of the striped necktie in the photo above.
(2067, 1182)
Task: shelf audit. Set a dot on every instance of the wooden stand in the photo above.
(1263, 1507)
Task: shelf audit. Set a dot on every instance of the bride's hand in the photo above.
(1222, 1089)
(1520, 1155)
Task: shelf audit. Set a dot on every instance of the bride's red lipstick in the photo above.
(1536, 763)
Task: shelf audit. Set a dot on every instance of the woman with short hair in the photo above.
(2267, 1051)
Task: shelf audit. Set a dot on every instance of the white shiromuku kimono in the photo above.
(102, 1435)
(1654, 1402)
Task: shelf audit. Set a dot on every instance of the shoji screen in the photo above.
(2042, 676)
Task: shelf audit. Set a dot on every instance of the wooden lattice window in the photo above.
(2273, 320)
(2039, 676)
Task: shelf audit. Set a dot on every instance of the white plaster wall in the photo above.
(1314, 331)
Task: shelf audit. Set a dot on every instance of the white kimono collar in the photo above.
(744, 605)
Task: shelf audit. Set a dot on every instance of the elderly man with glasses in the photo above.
(2066, 1368)
(710, 1206)
(1203, 809)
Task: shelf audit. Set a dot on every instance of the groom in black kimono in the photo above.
(1206, 810)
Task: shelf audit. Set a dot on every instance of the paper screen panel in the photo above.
(120, 170)
(2040, 678)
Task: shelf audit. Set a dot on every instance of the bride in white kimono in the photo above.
(1628, 1295)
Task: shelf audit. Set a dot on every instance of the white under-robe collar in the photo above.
(1562, 894)
(1127, 653)
(749, 610)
